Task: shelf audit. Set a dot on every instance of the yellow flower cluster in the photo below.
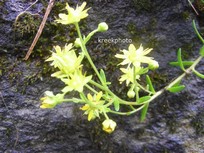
(70, 68)
(134, 58)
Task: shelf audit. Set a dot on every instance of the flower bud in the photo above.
(50, 100)
(109, 125)
(102, 27)
(77, 42)
(153, 65)
(131, 94)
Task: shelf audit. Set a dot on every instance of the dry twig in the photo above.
(49, 8)
(193, 7)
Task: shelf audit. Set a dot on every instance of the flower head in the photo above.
(109, 125)
(65, 59)
(76, 81)
(128, 75)
(50, 100)
(135, 56)
(74, 15)
(92, 109)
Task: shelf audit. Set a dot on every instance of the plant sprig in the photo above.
(100, 100)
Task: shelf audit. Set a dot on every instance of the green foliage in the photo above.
(180, 62)
(144, 112)
(202, 51)
(176, 88)
(149, 83)
(198, 73)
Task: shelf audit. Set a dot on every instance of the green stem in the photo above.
(90, 88)
(90, 35)
(143, 88)
(127, 113)
(110, 92)
(83, 47)
(188, 71)
(106, 116)
(136, 84)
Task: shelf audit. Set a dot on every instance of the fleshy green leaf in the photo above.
(116, 104)
(176, 88)
(180, 62)
(202, 51)
(143, 99)
(185, 63)
(178, 83)
(149, 82)
(198, 74)
(198, 34)
(144, 112)
(103, 76)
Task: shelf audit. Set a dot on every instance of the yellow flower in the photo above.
(50, 100)
(128, 75)
(92, 109)
(74, 15)
(76, 81)
(135, 56)
(109, 125)
(66, 60)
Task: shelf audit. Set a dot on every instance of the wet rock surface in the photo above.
(174, 122)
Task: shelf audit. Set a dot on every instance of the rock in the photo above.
(174, 122)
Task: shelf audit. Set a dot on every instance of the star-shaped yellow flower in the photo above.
(135, 56)
(128, 75)
(92, 109)
(74, 15)
(76, 81)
